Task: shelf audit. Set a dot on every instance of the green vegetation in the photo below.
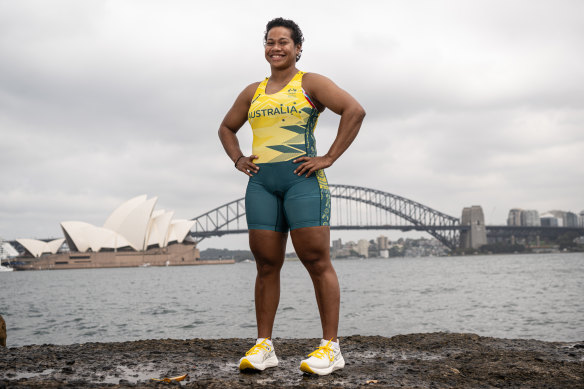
(567, 241)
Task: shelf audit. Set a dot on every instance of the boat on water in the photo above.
(5, 268)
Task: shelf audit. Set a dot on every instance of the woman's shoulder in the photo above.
(310, 76)
(314, 80)
(250, 90)
(253, 86)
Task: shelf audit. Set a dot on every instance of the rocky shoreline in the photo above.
(434, 360)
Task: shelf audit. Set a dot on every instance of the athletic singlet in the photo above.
(283, 129)
(283, 123)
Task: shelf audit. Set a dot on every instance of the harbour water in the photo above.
(536, 296)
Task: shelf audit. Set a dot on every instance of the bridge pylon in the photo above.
(476, 235)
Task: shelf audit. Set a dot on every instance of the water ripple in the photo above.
(509, 296)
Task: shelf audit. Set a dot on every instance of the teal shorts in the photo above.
(276, 199)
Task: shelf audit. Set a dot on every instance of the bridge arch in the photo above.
(358, 202)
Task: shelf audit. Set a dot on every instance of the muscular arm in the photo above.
(234, 119)
(328, 95)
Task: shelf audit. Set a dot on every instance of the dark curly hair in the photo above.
(295, 31)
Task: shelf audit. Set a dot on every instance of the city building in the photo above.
(550, 220)
(363, 248)
(382, 242)
(521, 217)
(530, 218)
(383, 246)
(570, 219)
(581, 219)
(337, 245)
(6, 250)
(514, 218)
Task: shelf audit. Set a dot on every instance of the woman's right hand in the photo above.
(246, 165)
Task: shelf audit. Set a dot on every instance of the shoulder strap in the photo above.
(261, 89)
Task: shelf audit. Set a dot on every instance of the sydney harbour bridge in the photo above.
(359, 208)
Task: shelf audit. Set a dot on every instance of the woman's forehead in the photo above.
(279, 32)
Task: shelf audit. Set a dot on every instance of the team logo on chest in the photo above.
(272, 111)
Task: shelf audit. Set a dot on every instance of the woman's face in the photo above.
(280, 49)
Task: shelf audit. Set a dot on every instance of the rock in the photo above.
(2, 332)
(412, 360)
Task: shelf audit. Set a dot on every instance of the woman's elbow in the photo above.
(224, 131)
(360, 112)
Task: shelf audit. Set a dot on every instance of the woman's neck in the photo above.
(281, 75)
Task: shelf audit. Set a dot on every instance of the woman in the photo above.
(287, 189)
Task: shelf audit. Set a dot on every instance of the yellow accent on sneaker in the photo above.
(322, 351)
(260, 346)
(305, 368)
(324, 360)
(245, 364)
(260, 357)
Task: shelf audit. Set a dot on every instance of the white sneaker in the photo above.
(324, 360)
(259, 357)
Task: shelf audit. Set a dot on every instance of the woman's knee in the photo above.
(317, 266)
(268, 268)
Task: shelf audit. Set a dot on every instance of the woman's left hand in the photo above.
(312, 164)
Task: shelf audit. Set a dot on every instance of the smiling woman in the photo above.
(288, 189)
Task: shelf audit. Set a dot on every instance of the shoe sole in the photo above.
(311, 370)
(245, 364)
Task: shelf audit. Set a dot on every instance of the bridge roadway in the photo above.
(359, 208)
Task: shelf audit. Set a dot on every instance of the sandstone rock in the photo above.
(2, 332)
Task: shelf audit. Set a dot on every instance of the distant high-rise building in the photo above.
(530, 218)
(568, 219)
(550, 220)
(363, 247)
(561, 216)
(571, 219)
(382, 243)
(581, 219)
(337, 244)
(514, 218)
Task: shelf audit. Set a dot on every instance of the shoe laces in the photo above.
(263, 345)
(322, 351)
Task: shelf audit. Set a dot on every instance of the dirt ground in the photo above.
(435, 360)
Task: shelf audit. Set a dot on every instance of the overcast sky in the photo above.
(468, 103)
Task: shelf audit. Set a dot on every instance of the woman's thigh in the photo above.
(268, 247)
(312, 243)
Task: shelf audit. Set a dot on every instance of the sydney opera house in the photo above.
(134, 234)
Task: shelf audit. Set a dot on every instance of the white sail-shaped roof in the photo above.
(38, 247)
(55, 245)
(158, 230)
(78, 235)
(179, 229)
(135, 225)
(120, 214)
(86, 236)
(104, 238)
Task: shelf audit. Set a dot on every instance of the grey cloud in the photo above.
(467, 104)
